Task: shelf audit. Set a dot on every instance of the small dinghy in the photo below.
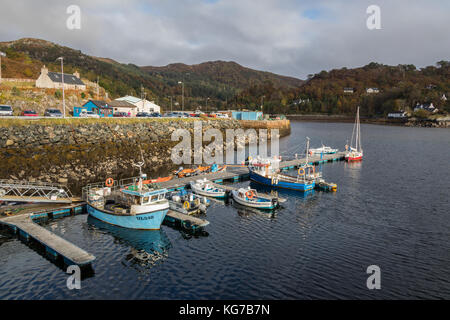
(187, 202)
(250, 198)
(206, 188)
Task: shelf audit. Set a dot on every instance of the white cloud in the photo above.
(290, 37)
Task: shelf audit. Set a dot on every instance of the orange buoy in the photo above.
(250, 194)
(109, 182)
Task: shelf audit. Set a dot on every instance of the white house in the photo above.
(54, 80)
(348, 90)
(398, 114)
(426, 106)
(123, 106)
(142, 105)
(372, 90)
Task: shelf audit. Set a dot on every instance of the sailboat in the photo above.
(355, 152)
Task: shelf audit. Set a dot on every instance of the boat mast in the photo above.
(307, 149)
(359, 133)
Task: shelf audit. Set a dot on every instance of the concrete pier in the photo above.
(54, 245)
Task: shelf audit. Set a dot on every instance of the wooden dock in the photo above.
(54, 245)
(236, 173)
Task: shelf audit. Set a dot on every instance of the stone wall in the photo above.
(90, 150)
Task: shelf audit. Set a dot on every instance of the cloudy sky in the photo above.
(289, 37)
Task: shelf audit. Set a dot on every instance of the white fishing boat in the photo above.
(206, 188)
(322, 150)
(249, 197)
(355, 152)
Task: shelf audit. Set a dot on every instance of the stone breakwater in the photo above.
(77, 152)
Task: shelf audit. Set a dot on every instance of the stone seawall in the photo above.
(284, 126)
(80, 151)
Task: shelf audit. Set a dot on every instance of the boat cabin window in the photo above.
(161, 196)
(145, 200)
(154, 198)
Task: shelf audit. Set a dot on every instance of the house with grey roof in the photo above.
(55, 80)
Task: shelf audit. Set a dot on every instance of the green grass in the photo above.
(8, 122)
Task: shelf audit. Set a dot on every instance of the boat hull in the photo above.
(281, 184)
(144, 221)
(205, 193)
(266, 205)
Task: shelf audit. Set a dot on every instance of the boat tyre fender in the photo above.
(109, 182)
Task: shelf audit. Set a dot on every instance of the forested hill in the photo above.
(219, 81)
(400, 88)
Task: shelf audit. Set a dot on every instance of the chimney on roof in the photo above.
(76, 74)
(44, 70)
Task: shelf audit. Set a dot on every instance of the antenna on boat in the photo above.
(140, 165)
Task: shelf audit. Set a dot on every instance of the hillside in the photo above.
(401, 88)
(218, 80)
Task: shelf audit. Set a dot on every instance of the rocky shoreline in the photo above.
(76, 154)
(441, 122)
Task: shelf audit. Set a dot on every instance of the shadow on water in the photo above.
(147, 247)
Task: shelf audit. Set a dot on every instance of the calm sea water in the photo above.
(391, 210)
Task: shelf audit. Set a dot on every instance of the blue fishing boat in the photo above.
(129, 204)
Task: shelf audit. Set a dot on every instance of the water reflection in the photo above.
(147, 247)
(353, 169)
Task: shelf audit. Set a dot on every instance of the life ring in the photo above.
(301, 172)
(109, 182)
(186, 205)
(250, 194)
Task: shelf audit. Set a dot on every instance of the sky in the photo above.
(288, 37)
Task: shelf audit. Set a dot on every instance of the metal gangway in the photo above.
(25, 191)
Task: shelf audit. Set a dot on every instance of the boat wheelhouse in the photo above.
(129, 203)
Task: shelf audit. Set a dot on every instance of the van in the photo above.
(6, 110)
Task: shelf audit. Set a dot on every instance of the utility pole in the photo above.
(182, 94)
(97, 90)
(206, 104)
(62, 79)
(2, 54)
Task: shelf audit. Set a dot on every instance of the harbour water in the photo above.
(391, 210)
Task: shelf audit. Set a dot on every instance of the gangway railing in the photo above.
(13, 190)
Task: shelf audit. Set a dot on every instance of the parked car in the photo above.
(222, 115)
(6, 110)
(89, 114)
(54, 113)
(120, 114)
(29, 113)
(143, 114)
(155, 115)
